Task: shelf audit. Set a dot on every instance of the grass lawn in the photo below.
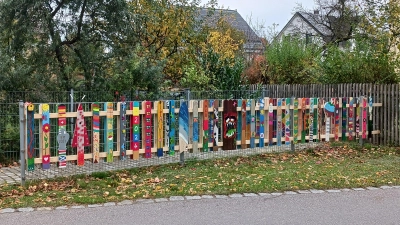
(337, 165)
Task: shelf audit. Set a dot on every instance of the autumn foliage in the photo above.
(255, 72)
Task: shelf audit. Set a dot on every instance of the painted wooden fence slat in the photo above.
(244, 125)
(195, 106)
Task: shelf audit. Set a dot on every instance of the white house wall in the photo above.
(297, 26)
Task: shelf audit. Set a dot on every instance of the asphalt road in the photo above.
(353, 207)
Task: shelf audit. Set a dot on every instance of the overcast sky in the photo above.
(266, 12)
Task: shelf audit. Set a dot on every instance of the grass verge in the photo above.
(343, 165)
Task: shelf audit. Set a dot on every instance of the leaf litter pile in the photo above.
(343, 165)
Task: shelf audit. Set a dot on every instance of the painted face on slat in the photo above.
(230, 126)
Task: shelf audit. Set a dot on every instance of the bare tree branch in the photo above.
(59, 5)
(79, 28)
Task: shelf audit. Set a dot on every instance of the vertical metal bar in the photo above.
(188, 95)
(263, 92)
(22, 140)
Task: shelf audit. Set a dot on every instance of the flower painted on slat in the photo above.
(45, 107)
(46, 128)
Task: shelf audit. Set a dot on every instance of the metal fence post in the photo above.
(263, 91)
(22, 140)
(188, 94)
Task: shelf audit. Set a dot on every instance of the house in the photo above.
(253, 44)
(318, 28)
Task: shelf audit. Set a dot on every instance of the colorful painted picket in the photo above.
(122, 137)
(160, 128)
(244, 125)
(287, 121)
(45, 136)
(172, 128)
(271, 122)
(279, 123)
(30, 137)
(315, 119)
(351, 118)
(136, 131)
(62, 137)
(195, 132)
(108, 132)
(262, 121)
(295, 120)
(311, 120)
(80, 139)
(230, 123)
(344, 119)
(147, 131)
(215, 122)
(205, 126)
(96, 132)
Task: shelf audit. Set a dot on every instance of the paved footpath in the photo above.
(10, 175)
(343, 206)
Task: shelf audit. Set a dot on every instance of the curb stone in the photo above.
(235, 195)
(44, 209)
(7, 210)
(196, 197)
(333, 191)
(304, 192)
(176, 198)
(161, 200)
(109, 204)
(250, 195)
(264, 194)
(385, 187)
(207, 196)
(28, 209)
(358, 189)
(221, 196)
(277, 194)
(94, 206)
(125, 202)
(144, 201)
(373, 188)
(345, 189)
